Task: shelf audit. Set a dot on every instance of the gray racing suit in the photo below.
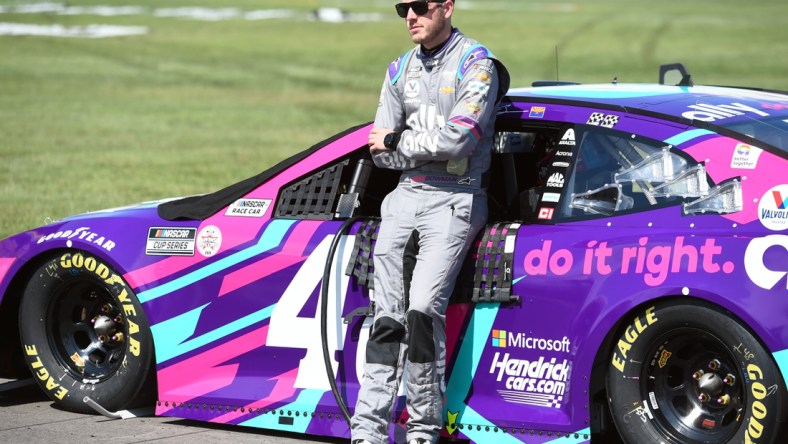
(444, 106)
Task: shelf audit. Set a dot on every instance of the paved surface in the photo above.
(27, 416)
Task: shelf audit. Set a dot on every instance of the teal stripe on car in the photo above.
(686, 136)
(171, 335)
(271, 238)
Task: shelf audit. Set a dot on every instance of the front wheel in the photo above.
(685, 374)
(84, 333)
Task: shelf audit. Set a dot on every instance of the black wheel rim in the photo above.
(693, 386)
(86, 330)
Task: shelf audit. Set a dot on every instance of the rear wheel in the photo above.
(689, 374)
(84, 333)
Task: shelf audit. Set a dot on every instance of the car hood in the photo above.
(117, 234)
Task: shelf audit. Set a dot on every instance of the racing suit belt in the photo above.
(437, 179)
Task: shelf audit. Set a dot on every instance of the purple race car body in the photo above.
(631, 280)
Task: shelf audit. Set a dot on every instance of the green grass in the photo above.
(193, 106)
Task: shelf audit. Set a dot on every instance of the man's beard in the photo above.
(432, 32)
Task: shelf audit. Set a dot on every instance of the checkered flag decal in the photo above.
(609, 121)
(599, 119)
(595, 119)
(529, 398)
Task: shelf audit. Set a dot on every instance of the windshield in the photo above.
(773, 130)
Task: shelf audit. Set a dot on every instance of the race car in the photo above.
(630, 284)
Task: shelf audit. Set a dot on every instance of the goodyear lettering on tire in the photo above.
(757, 409)
(78, 261)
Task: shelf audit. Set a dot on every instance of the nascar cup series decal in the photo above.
(773, 208)
(170, 241)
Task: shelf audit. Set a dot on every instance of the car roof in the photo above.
(683, 102)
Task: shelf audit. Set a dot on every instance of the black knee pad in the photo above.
(384, 342)
(421, 343)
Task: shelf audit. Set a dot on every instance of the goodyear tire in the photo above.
(84, 333)
(684, 373)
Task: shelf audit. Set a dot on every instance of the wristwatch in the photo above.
(391, 140)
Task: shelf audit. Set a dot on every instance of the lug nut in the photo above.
(714, 364)
(117, 337)
(703, 397)
(697, 374)
(729, 380)
(724, 399)
(106, 308)
(103, 339)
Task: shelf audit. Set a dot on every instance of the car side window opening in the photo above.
(348, 186)
(616, 172)
(558, 172)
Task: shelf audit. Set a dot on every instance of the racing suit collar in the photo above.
(440, 48)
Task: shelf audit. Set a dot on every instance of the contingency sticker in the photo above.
(537, 112)
(745, 156)
(209, 240)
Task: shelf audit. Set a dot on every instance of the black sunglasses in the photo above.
(419, 7)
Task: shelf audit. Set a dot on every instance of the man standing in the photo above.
(435, 123)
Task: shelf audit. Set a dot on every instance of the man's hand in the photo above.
(376, 140)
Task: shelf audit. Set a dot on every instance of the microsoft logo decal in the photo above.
(499, 338)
